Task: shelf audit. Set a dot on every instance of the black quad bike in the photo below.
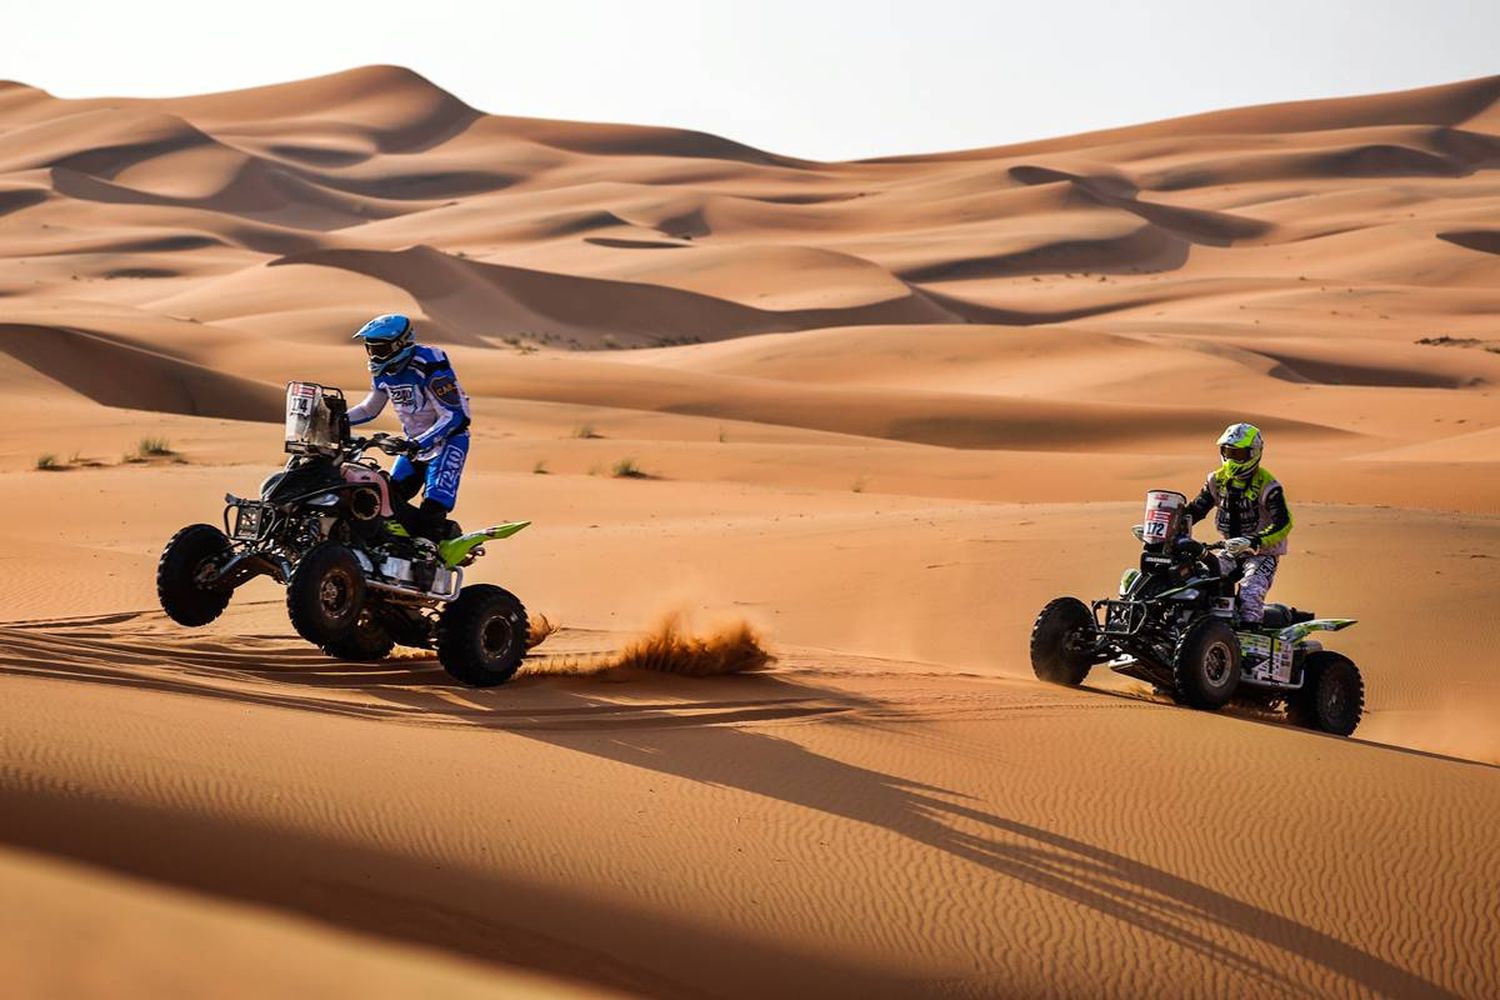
(357, 584)
(1174, 625)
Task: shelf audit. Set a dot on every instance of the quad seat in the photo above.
(1279, 616)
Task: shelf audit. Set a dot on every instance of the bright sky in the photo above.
(827, 79)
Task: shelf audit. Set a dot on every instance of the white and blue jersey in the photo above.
(434, 412)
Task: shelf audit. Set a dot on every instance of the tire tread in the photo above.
(457, 638)
(184, 603)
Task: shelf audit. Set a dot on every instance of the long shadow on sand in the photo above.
(1113, 884)
(678, 731)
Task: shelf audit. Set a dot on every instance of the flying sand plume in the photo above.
(670, 647)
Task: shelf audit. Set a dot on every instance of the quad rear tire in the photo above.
(1206, 665)
(326, 594)
(482, 636)
(190, 554)
(367, 642)
(1055, 639)
(1332, 698)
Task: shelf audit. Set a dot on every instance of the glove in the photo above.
(1239, 546)
(400, 446)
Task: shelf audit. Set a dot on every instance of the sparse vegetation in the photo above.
(723, 436)
(586, 432)
(540, 468)
(1446, 341)
(49, 463)
(676, 341)
(626, 468)
(152, 447)
(858, 486)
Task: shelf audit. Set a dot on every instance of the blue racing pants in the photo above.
(441, 474)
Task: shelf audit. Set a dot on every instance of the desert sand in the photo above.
(885, 409)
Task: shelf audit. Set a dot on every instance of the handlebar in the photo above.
(391, 444)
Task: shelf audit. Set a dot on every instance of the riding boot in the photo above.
(432, 521)
(406, 514)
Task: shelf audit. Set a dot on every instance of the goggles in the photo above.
(384, 350)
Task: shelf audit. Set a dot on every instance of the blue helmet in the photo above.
(390, 342)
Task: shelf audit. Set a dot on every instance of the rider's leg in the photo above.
(432, 521)
(440, 492)
(1260, 572)
(406, 480)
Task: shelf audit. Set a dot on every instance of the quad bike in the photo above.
(1174, 625)
(357, 584)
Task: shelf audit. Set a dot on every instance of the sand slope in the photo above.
(145, 941)
(886, 409)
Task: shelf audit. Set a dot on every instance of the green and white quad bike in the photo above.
(1174, 626)
(357, 584)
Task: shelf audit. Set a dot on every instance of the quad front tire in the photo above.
(326, 594)
(482, 636)
(1206, 666)
(1332, 698)
(189, 556)
(366, 642)
(1057, 639)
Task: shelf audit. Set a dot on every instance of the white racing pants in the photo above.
(1260, 572)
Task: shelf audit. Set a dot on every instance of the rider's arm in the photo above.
(369, 408)
(1281, 520)
(442, 385)
(1201, 504)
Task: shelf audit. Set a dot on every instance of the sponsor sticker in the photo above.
(445, 388)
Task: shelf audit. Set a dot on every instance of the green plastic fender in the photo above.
(1300, 631)
(456, 550)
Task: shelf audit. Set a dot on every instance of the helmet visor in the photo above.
(384, 350)
(1232, 454)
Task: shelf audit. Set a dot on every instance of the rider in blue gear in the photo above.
(434, 415)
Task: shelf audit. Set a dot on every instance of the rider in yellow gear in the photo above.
(1252, 515)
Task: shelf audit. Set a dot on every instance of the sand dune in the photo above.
(884, 410)
(123, 375)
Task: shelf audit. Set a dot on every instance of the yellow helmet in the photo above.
(1240, 446)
